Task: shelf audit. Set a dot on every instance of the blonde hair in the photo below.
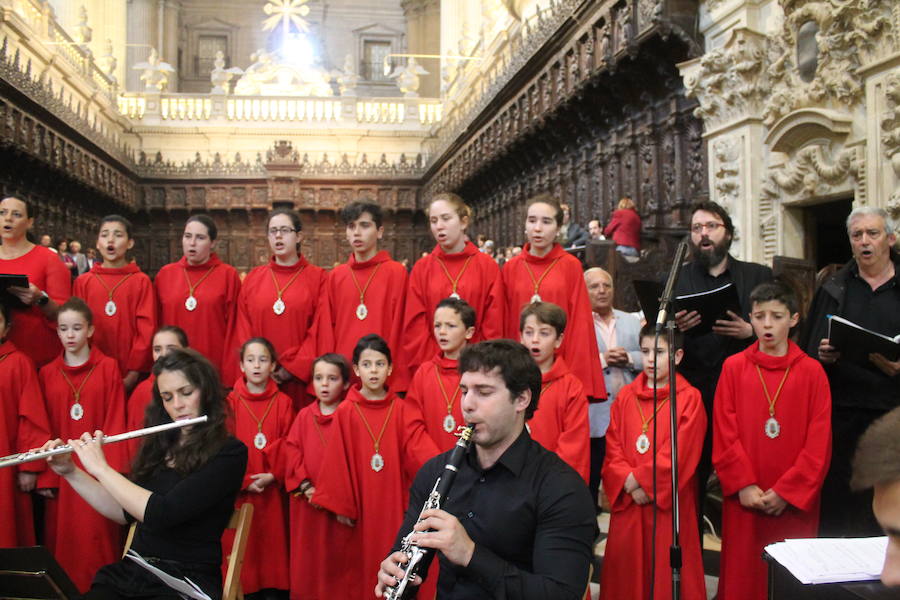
(626, 202)
(459, 205)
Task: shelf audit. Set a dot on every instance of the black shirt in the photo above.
(705, 353)
(530, 516)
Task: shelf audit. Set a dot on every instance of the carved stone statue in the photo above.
(155, 72)
(83, 33)
(408, 78)
(220, 76)
(267, 75)
(347, 77)
(107, 62)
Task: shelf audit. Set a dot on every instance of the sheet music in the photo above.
(831, 560)
(185, 587)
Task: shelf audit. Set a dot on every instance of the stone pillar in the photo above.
(141, 26)
(170, 35)
(423, 34)
(67, 13)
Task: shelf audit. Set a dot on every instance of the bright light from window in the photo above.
(298, 50)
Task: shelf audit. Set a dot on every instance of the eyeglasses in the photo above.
(274, 231)
(712, 227)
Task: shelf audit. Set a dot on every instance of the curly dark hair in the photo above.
(203, 441)
(515, 364)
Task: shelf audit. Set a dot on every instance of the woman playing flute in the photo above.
(182, 488)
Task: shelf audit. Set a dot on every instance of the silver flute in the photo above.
(414, 553)
(24, 457)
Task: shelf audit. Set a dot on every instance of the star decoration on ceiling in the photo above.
(286, 13)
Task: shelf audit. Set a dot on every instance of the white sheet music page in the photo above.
(831, 560)
(185, 587)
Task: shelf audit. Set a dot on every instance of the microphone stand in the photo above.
(666, 316)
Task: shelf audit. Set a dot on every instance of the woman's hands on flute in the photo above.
(61, 464)
(89, 450)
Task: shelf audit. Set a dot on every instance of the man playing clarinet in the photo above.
(518, 521)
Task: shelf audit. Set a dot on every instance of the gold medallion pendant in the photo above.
(110, 308)
(773, 428)
(449, 424)
(76, 412)
(190, 303)
(260, 441)
(278, 308)
(643, 443)
(362, 311)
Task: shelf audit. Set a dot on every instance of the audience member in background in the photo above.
(625, 228)
(595, 231)
(62, 248)
(570, 233)
(80, 259)
(47, 242)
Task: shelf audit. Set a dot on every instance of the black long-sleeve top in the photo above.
(185, 516)
(530, 516)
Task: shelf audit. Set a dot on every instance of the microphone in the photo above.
(669, 292)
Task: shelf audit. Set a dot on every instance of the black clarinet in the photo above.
(414, 553)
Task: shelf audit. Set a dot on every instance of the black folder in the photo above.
(856, 343)
(712, 304)
(7, 281)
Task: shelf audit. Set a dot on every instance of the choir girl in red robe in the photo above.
(165, 339)
(319, 544)
(433, 398)
(83, 391)
(278, 302)
(560, 424)
(49, 283)
(23, 425)
(369, 466)
(455, 268)
(628, 480)
(122, 300)
(546, 272)
(199, 292)
(262, 419)
(771, 443)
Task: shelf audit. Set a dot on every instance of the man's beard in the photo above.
(711, 258)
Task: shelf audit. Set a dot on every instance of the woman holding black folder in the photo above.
(49, 283)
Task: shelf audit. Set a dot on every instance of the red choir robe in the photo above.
(320, 546)
(560, 423)
(562, 285)
(126, 336)
(290, 331)
(793, 464)
(216, 296)
(266, 557)
(34, 334)
(348, 485)
(72, 525)
(137, 403)
(629, 556)
(426, 403)
(385, 299)
(23, 426)
(480, 285)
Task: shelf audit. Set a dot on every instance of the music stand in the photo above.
(33, 574)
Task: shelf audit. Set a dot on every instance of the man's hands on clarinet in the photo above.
(446, 535)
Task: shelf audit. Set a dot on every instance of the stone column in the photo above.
(141, 20)
(170, 35)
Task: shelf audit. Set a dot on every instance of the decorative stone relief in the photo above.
(850, 35)
(890, 137)
(154, 72)
(730, 82)
(814, 170)
(727, 156)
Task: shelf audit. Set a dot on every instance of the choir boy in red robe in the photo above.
(455, 268)
(121, 296)
(23, 425)
(366, 294)
(165, 339)
(262, 419)
(545, 272)
(83, 391)
(433, 398)
(560, 424)
(771, 443)
(628, 481)
(199, 292)
(370, 463)
(278, 301)
(319, 544)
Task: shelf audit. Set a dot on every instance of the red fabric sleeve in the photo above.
(239, 332)
(801, 484)
(616, 466)
(33, 424)
(59, 283)
(140, 356)
(691, 431)
(336, 490)
(295, 471)
(415, 322)
(580, 341)
(574, 444)
(731, 461)
(117, 455)
(299, 359)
